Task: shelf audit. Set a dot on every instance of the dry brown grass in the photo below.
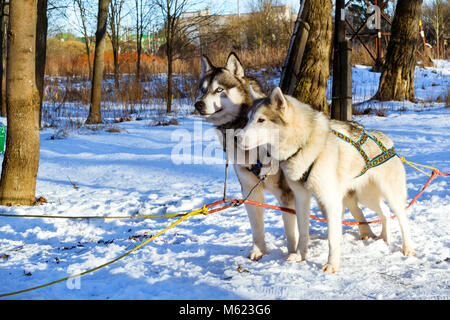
(68, 59)
(267, 58)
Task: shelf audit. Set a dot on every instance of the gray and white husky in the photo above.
(225, 102)
(309, 144)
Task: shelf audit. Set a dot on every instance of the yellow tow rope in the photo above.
(169, 215)
(203, 210)
(414, 165)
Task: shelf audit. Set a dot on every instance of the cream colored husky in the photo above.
(332, 167)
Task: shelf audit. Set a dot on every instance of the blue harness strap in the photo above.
(380, 159)
(305, 176)
(256, 168)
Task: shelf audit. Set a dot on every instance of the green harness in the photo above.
(385, 155)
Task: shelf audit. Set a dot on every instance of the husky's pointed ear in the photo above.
(206, 65)
(277, 98)
(234, 65)
(253, 95)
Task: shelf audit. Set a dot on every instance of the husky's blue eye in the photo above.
(219, 90)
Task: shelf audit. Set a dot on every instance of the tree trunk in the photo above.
(88, 53)
(138, 58)
(82, 12)
(99, 59)
(114, 24)
(21, 160)
(115, 49)
(397, 79)
(116, 64)
(139, 33)
(41, 49)
(314, 69)
(170, 34)
(169, 83)
(3, 27)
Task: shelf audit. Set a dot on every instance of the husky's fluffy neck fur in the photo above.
(308, 143)
(237, 123)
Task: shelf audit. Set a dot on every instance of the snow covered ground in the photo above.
(137, 172)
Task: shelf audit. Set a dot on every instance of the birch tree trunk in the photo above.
(21, 160)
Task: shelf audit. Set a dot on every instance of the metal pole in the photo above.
(341, 106)
(378, 62)
(291, 68)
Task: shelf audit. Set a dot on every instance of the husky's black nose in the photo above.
(199, 105)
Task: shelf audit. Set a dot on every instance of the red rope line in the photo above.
(434, 175)
(234, 202)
